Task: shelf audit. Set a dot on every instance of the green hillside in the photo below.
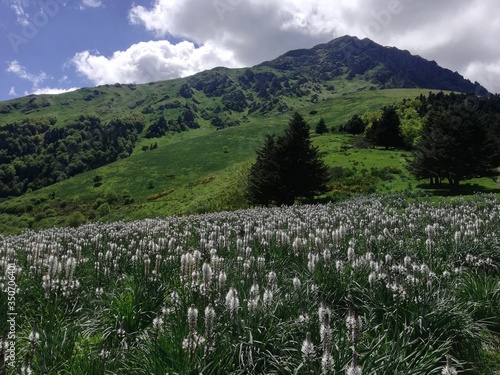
(183, 146)
(203, 170)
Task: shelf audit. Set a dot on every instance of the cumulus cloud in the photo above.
(51, 90)
(151, 61)
(459, 34)
(19, 9)
(36, 80)
(91, 4)
(16, 68)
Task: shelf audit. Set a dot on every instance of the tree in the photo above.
(263, 177)
(456, 145)
(355, 125)
(386, 132)
(287, 167)
(321, 127)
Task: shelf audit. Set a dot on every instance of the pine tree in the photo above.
(264, 174)
(455, 145)
(321, 127)
(387, 131)
(355, 125)
(287, 167)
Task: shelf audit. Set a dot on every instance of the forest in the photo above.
(36, 152)
(454, 137)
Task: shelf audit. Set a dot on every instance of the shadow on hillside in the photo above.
(443, 190)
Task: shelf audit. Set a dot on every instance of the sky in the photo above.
(54, 46)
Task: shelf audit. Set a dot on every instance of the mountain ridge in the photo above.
(104, 131)
(345, 49)
(358, 64)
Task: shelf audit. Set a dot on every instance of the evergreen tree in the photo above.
(287, 167)
(264, 174)
(355, 125)
(387, 131)
(321, 127)
(456, 145)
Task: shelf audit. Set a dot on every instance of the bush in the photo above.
(111, 196)
(103, 209)
(75, 219)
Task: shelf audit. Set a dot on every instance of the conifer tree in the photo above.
(287, 167)
(455, 145)
(321, 126)
(386, 132)
(264, 174)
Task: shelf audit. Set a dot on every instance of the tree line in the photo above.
(453, 137)
(36, 153)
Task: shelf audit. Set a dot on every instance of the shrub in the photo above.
(103, 209)
(75, 219)
(111, 196)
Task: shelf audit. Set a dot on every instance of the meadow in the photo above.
(379, 284)
(203, 170)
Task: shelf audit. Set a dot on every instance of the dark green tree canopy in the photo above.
(458, 143)
(321, 126)
(387, 131)
(355, 125)
(287, 167)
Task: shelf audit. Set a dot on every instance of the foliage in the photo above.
(157, 129)
(321, 126)
(34, 154)
(103, 209)
(287, 167)
(355, 125)
(457, 143)
(185, 157)
(76, 219)
(393, 284)
(386, 132)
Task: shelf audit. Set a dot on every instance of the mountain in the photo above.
(384, 67)
(156, 144)
(346, 64)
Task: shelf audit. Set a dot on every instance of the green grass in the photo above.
(184, 158)
(114, 298)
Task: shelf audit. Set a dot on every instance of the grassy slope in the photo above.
(195, 169)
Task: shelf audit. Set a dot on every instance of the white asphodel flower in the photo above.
(297, 284)
(448, 369)
(232, 301)
(307, 348)
(209, 319)
(354, 370)
(33, 337)
(327, 363)
(192, 317)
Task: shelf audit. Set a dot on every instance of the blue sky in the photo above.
(50, 46)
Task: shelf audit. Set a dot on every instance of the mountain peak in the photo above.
(385, 67)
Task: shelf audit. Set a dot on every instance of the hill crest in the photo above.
(385, 67)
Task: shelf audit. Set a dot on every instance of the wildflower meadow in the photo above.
(391, 284)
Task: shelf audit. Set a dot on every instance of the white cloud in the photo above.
(51, 90)
(19, 8)
(36, 79)
(151, 61)
(455, 33)
(487, 74)
(91, 4)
